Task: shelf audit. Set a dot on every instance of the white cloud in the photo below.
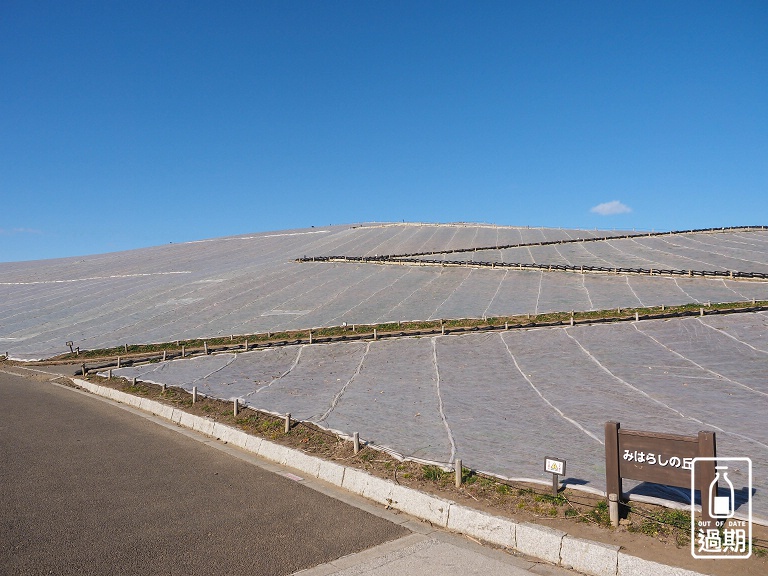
(611, 208)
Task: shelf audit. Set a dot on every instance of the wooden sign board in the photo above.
(656, 457)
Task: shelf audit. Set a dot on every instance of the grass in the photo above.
(663, 523)
(600, 514)
(434, 473)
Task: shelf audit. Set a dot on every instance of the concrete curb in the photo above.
(555, 546)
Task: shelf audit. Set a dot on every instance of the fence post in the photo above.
(613, 509)
(458, 469)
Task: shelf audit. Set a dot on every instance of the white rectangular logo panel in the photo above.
(729, 502)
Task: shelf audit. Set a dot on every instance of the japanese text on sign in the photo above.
(657, 459)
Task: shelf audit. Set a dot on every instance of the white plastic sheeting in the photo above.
(295, 296)
(725, 251)
(503, 401)
(252, 284)
(408, 238)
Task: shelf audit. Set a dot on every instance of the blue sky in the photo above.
(129, 124)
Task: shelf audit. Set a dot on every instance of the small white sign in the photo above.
(555, 466)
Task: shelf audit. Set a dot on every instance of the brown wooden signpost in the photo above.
(659, 458)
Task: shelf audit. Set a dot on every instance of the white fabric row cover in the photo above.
(252, 284)
(503, 401)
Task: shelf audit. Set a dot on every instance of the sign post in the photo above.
(556, 467)
(659, 458)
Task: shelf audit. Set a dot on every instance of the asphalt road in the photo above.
(88, 488)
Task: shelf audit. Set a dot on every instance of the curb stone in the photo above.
(555, 546)
(589, 557)
(540, 541)
(368, 486)
(499, 531)
(423, 506)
